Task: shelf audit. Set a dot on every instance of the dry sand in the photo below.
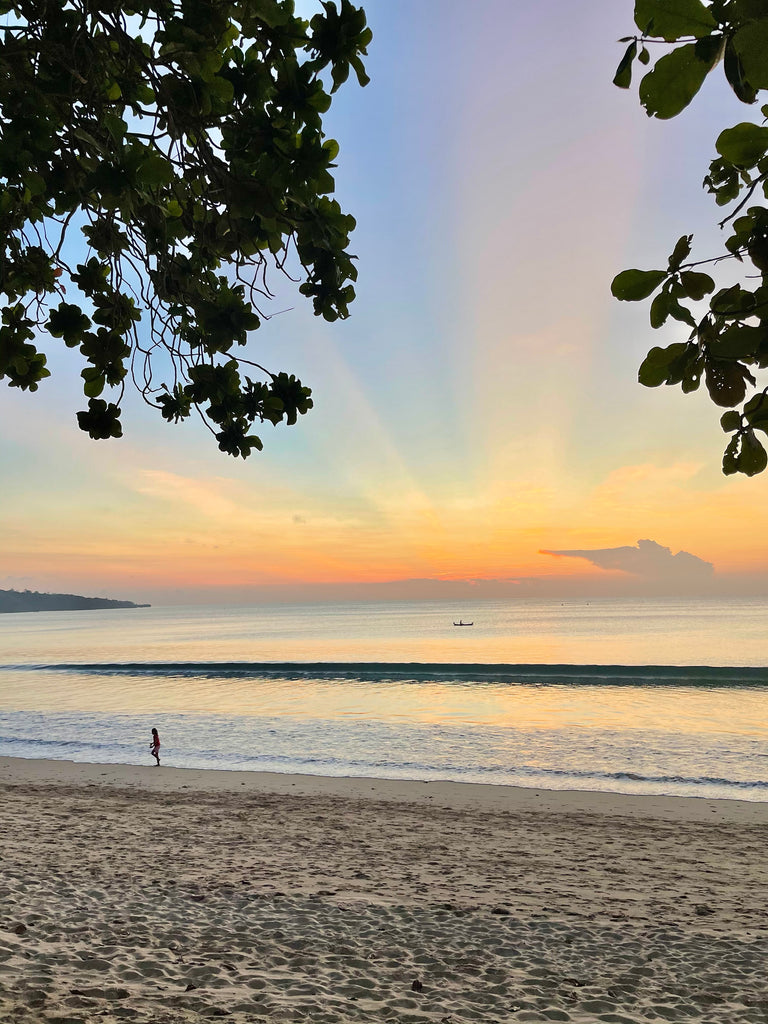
(161, 896)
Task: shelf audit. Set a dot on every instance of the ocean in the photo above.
(649, 696)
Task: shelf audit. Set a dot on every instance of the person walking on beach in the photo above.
(154, 746)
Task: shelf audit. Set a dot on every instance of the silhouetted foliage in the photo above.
(727, 343)
(184, 139)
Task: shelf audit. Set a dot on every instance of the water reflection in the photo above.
(671, 709)
(670, 632)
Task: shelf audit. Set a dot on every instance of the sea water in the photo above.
(665, 697)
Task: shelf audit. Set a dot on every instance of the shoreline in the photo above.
(481, 797)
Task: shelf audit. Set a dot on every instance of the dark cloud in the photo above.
(647, 559)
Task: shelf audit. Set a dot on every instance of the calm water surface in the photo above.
(395, 690)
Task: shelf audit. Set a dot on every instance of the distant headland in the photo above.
(31, 601)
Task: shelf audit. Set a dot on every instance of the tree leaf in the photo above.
(655, 368)
(756, 412)
(750, 42)
(737, 342)
(681, 251)
(680, 312)
(671, 19)
(155, 170)
(731, 456)
(633, 285)
(115, 125)
(743, 145)
(734, 73)
(726, 381)
(623, 76)
(676, 78)
(660, 309)
(357, 64)
(696, 285)
(752, 457)
(730, 421)
(222, 88)
(734, 303)
(93, 388)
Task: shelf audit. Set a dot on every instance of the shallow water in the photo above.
(396, 691)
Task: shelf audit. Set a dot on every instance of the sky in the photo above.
(478, 426)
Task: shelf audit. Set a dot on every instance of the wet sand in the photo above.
(167, 895)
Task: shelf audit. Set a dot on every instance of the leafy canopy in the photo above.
(727, 343)
(183, 139)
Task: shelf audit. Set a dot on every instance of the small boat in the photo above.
(460, 623)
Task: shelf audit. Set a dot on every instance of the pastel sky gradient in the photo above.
(480, 406)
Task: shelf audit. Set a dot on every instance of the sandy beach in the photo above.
(167, 895)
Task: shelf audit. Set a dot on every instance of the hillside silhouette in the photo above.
(32, 601)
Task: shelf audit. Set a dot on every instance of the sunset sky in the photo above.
(480, 406)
